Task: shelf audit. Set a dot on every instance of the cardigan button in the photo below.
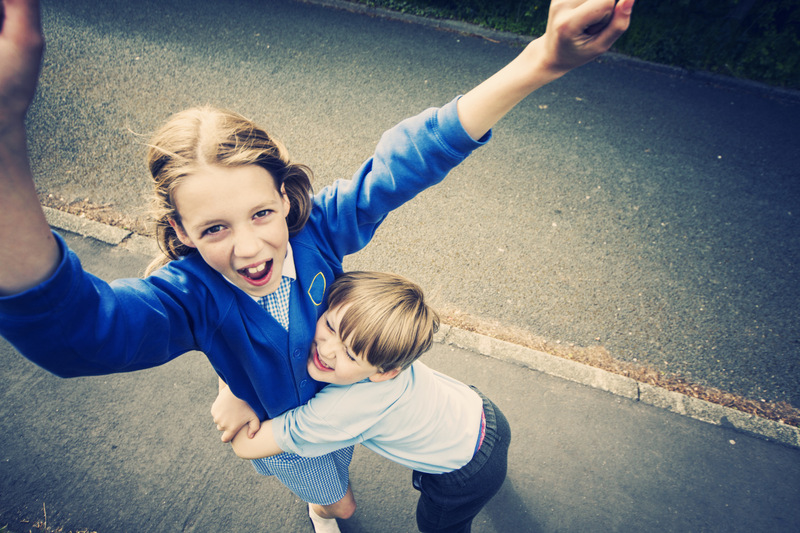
(297, 353)
(303, 384)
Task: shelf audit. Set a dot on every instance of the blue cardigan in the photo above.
(75, 324)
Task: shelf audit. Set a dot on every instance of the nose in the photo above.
(326, 348)
(247, 243)
(323, 348)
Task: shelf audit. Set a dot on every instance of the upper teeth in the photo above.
(256, 270)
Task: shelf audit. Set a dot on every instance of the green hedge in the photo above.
(757, 40)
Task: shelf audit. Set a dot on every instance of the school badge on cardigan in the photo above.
(317, 289)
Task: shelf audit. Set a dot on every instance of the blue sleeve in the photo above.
(76, 324)
(414, 155)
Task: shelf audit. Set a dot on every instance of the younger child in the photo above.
(366, 347)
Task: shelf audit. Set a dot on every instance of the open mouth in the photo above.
(322, 367)
(257, 275)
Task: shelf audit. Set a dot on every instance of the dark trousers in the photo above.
(449, 502)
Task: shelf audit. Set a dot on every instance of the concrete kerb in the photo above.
(442, 24)
(681, 404)
(83, 226)
(101, 232)
(505, 351)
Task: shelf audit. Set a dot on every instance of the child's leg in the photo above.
(323, 517)
(344, 508)
(323, 482)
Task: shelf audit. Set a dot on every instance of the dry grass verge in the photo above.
(599, 357)
(103, 213)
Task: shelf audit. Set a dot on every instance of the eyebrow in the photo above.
(207, 224)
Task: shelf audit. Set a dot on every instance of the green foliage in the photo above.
(523, 17)
(752, 39)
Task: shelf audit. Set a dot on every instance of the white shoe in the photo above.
(322, 525)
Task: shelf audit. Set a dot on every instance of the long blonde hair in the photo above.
(203, 136)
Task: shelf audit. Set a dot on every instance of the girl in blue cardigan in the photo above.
(248, 252)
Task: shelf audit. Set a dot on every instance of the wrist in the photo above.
(543, 69)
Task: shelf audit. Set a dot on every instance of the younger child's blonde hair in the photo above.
(385, 318)
(204, 136)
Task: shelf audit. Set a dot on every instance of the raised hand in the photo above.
(21, 46)
(231, 414)
(577, 32)
(580, 30)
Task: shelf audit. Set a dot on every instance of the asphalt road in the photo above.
(650, 213)
(138, 452)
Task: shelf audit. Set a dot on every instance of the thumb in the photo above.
(253, 426)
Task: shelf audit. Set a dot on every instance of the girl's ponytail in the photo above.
(297, 184)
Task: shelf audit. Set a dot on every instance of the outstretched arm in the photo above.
(565, 45)
(28, 251)
(261, 445)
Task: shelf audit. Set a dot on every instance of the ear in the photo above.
(182, 236)
(287, 205)
(377, 377)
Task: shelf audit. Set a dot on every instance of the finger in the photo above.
(253, 427)
(580, 18)
(593, 15)
(597, 27)
(565, 4)
(227, 436)
(618, 24)
(20, 19)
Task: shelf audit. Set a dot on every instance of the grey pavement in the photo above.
(647, 211)
(139, 452)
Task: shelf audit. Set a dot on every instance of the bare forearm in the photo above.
(261, 445)
(28, 252)
(487, 103)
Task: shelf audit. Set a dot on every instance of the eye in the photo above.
(213, 230)
(263, 213)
